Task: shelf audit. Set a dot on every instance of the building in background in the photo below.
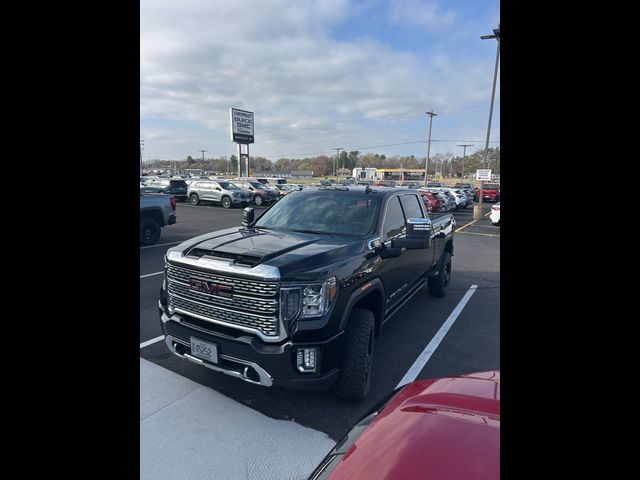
(364, 173)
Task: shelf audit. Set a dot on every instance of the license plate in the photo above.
(204, 350)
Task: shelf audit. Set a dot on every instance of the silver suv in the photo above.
(225, 193)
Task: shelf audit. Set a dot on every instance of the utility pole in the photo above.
(463, 157)
(337, 158)
(477, 210)
(203, 155)
(141, 147)
(426, 162)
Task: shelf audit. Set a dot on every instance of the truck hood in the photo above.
(295, 254)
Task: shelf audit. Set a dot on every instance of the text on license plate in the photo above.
(205, 350)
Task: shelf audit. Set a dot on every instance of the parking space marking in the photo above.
(161, 244)
(151, 342)
(424, 357)
(483, 234)
(466, 225)
(151, 274)
(487, 214)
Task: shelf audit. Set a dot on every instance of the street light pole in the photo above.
(337, 158)
(464, 155)
(426, 162)
(477, 210)
(141, 145)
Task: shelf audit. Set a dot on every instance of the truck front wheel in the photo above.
(438, 285)
(355, 375)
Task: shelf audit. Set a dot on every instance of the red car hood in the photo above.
(441, 429)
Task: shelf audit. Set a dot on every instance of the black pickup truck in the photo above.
(297, 297)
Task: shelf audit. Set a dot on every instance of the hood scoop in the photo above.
(248, 260)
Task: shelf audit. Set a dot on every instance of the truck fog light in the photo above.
(306, 359)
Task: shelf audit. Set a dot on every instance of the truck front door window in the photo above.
(393, 220)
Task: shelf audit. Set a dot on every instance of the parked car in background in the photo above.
(464, 186)
(384, 183)
(286, 189)
(435, 205)
(458, 197)
(412, 185)
(450, 198)
(176, 187)
(261, 194)
(145, 189)
(490, 192)
(272, 181)
(156, 211)
(439, 429)
(436, 185)
(495, 214)
(225, 193)
(446, 202)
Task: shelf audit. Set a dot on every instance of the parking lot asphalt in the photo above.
(470, 344)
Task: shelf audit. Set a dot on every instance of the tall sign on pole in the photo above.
(242, 134)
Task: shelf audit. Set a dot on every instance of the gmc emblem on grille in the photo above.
(210, 287)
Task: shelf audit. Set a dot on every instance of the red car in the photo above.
(436, 204)
(440, 429)
(490, 191)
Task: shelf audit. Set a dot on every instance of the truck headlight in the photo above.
(316, 299)
(307, 301)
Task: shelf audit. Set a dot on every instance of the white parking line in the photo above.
(150, 342)
(161, 244)
(151, 274)
(424, 357)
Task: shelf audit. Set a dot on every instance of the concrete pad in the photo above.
(200, 433)
(158, 389)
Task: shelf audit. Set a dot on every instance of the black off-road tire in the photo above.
(149, 231)
(438, 285)
(355, 375)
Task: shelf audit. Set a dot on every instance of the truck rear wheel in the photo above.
(438, 285)
(355, 375)
(149, 231)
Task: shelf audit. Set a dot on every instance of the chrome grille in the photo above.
(267, 325)
(255, 305)
(240, 285)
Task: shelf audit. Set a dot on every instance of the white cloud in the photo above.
(277, 58)
(420, 13)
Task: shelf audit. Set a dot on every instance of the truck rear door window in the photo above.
(411, 206)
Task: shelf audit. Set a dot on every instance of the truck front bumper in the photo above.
(250, 359)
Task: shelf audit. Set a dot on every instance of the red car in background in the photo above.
(435, 203)
(440, 429)
(490, 192)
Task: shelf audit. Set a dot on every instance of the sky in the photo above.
(318, 75)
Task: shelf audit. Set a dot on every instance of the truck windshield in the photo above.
(337, 213)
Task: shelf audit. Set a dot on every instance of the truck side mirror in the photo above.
(418, 234)
(247, 216)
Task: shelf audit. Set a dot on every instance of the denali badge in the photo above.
(210, 287)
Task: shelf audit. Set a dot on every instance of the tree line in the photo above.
(322, 165)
